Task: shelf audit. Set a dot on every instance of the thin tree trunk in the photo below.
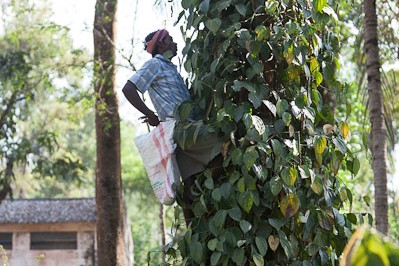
(110, 235)
(378, 132)
(163, 231)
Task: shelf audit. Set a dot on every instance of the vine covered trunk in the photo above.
(263, 75)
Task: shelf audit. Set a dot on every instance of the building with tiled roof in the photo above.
(51, 232)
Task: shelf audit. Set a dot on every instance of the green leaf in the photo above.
(271, 107)
(214, 65)
(254, 49)
(320, 144)
(318, 77)
(319, 159)
(289, 54)
(260, 172)
(262, 33)
(245, 200)
(293, 72)
(261, 244)
(277, 147)
(212, 244)
(305, 172)
(255, 99)
(352, 218)
(339, 144)
(285, 244)
(204, 6)
(186, 3)
(258, 259)
(245, 226)
(225, 189)
(282, 106)
(238, 85)
(310, 224)
(241, 185)
(216, 194)
(213, 24)
(240, 243)
(329, 11)
(318, 5)
(220, 218)
(286, 118)
(327, 220)
(276, 185)
(311, 249)
(242, 9)
(213, 229)
(258, 68)
(289, 206)
(215, 257)
(238, 256)
(196, 252)
(289, 176)
(235, 213)
(257, 122)
(250, 157)
(339, 217)
(344, 128)
(209, 183)
(276, 223)
(185, 110)
(236, 156)
(317, 185)
(317, 100)
(271, 6)
(314, 65)
(367, 200)
(356, 166)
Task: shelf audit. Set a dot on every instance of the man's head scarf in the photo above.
(158, 37)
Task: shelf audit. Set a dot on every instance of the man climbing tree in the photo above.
(167, 91)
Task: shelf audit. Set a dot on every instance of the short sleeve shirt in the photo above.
(165, 86)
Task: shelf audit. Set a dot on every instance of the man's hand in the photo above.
(130, 91)
(152, 119)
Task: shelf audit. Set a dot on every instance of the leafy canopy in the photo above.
(38, 67)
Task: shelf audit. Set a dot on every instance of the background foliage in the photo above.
(35, 85)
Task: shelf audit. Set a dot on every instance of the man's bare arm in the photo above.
(131, 94)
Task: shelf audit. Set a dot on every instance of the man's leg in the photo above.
(188, 199)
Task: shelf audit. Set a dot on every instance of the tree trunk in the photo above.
(110, 223)
(378, 132)
(163, 232)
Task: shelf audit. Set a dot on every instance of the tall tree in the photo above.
(259, 71)
(378, 132)
(109, 203)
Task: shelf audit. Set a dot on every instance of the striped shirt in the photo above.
(164, 84)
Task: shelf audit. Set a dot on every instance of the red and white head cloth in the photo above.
(158, 37)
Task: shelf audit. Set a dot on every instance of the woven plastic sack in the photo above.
(156, 149)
